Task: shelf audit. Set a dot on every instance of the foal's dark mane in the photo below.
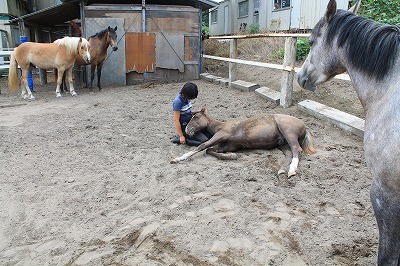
(371, 46)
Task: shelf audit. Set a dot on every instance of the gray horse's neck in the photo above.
(372, 92)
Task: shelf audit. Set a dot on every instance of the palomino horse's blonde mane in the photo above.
(71, 43)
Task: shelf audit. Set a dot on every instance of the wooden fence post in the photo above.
(232, 66)
(287, 78)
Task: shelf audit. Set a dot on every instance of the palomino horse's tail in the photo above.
(308, 144)
(13, 74)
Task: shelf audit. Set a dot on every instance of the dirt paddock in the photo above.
(87, 180)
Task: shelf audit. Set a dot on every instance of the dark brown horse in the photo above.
(257, 132)
(99, 43)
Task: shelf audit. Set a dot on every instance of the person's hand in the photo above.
(182, 139)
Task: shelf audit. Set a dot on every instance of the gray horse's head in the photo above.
(198, 122)
(324, 60)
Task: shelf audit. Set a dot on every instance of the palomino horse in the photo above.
(370, 53)
(256, 132)
(99, 43)
(60, 54)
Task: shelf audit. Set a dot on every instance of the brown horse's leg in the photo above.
(92, 69)
(71, 82)
(99, 67)
(222, 156)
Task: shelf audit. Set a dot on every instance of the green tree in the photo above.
(385, 11)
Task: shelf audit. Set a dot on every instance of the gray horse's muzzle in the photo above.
(305, 83)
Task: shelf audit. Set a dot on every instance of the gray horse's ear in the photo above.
(354, 9)
(330, 10)
(109, 28)
(115, 29)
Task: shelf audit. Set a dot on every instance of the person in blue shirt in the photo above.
(182, 108)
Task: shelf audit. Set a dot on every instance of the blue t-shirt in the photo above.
(185, 108)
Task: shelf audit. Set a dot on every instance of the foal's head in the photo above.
(112, 37)
(198, 122)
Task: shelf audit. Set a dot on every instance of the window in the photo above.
(256, 4)
(244, 9)
(279, 4)
(214, 16)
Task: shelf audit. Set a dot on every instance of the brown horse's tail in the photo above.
(13, 74)
(308, 144)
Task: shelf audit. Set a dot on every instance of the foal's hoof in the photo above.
(58, 95)
(174, 161)
(73, 93)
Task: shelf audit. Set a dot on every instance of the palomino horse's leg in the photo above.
(71, 82)
(387, 212)
(25, 86)
(59, 81)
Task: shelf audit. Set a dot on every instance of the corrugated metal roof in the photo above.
(51, 16)
(69, 10)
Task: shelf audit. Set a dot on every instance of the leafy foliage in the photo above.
(302, 50)
(384, 11)
(254, 29)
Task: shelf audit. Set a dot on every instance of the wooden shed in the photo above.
(158, 40)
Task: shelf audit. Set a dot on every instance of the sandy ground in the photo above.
(87, 180)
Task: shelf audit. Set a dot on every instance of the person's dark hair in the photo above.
(189, 91)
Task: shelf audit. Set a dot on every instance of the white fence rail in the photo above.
(287, 67)
(5, 65)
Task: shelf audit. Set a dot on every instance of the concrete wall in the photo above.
(303, 14)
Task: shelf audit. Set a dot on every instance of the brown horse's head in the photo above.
(112, 38)
(83, 49)
(198, 122)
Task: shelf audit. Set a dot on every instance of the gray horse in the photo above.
(370, 53)
(285, 132)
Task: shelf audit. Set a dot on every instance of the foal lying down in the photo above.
(285, 132)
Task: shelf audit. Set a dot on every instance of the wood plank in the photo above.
(140, 52)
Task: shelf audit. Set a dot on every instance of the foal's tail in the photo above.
(13, 74)
(308, 143)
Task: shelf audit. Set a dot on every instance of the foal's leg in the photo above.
(211, 142)
(59, 81)
(222, 156)
(288, 158)
(387, 212)
(71, 82)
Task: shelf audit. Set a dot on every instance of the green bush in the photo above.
(385, 11)
(254, 29)
(302, 50)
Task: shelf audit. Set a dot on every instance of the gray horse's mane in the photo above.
(371, 46)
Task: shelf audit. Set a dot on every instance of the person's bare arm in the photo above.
(178, 127)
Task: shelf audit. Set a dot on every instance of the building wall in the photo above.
(303, 14)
